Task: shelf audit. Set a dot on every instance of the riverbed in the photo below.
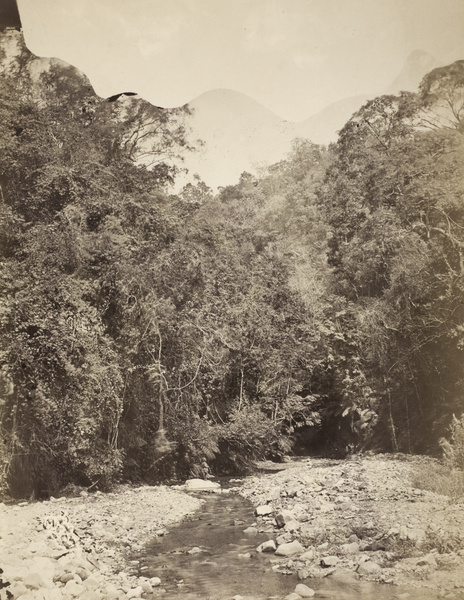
(156, 541)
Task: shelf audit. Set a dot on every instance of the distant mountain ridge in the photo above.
(240, 134)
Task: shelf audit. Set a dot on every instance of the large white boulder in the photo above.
(199, 485)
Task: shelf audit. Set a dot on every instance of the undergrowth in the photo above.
(446, 477)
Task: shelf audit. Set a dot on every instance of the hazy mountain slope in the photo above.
(240, 134)
(417, 65)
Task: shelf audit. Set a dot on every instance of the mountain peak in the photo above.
(417, 64)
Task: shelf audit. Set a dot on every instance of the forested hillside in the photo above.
(144, 333)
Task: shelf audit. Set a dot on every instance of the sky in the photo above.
(293, 56)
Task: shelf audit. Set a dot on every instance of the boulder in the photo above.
(329, 561)
(292, 526)
(268, 546)
(304, 591)
(290, 549)
(283, 517)
(72, 588)
(155, 581)
(293, 596)
(250, 531)
(352, 548)
(369, 568)
(263, 510)
(310, 554)
(135, 592)
(200, 485)
(34, 581)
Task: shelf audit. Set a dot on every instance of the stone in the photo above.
(90, 595)
(34, 581)
(290, 549)
(352, 548)
(427, 561)
(199, 485)
(344, 576)
(284, 538)
(155, 581)
(91, 583)
(369, 568)
(329, 561)
(135, 592)
(293, 596)
(73, 588)
(267, 546)
(293, 491)
(263, 510)
(304, 591)
(310, 554)
(245, 555)
(250, 531)
(283, 517)
(292, 526)
(65, 577)
(195, 550)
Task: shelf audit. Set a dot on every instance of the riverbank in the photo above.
(362, 519)
(347, 521)
(77, 547)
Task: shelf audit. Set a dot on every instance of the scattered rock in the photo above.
(292, 526)
(264, 510)
(369, 568)
(352, 548)
(268, 546)
(251, 531)
(304, 591)
(293, 596)
(329, 561)
(290, 549)
(283, 517)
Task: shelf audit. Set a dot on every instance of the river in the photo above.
(209, 557)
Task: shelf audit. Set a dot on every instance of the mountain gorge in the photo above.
(315, 306)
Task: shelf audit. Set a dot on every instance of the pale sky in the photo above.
(293, 56)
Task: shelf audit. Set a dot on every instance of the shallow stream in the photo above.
(220, 571)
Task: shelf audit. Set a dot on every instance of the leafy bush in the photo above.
(249, 435)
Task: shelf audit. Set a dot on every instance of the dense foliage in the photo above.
(144, 334)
